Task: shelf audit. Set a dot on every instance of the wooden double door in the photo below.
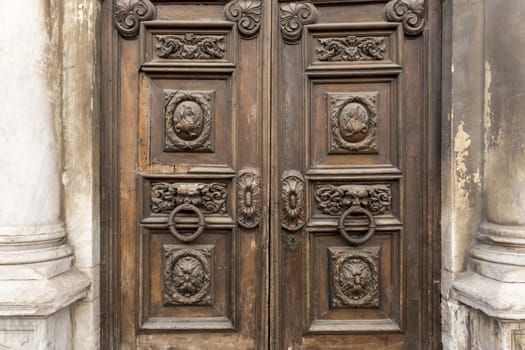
(271, 174)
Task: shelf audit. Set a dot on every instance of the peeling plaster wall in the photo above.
(80, 114)
(462, 132)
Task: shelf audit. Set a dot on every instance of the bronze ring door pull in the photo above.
(371, 225)
(200, 226)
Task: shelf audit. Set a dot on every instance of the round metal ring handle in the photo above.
(200, 227)
(371, 225)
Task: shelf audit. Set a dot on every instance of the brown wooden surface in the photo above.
(281, 108)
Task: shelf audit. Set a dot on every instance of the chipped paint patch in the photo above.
(465, 176)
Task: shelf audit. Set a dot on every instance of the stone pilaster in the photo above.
(37, 282)
(494, 282)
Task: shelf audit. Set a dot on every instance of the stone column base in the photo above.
(35, 314)
(484, 313)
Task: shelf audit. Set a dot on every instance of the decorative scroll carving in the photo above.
(409, 12)
(333, 200)
(190, 46)
(188, 120)
(247, 14)
(210, 197)
(129, 13)
(351, 48)
(355, 277)
(294, 16)
(187, 276)
(353, 122)
(249, 199)
(292, 200)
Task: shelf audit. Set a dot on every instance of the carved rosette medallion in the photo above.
(188, 120)
(354, 277)
(351, 48)
(353, 122)
(247, 14)
(187, 276)
(292, 200)
(129, 13)
(293, 17)
(249, 199)
(334, 200)
(190, 46)
(409, 12)
(209, 197)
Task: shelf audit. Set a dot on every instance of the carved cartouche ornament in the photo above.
(129, 13)
(411, 13)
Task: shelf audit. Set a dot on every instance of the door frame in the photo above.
(109, 175)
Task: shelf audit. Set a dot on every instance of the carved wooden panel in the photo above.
(351, 48)
(188, 120)
(168, 44)
(352, 290)
(333, 200)
(353, 45)
(249, 199)
(210, 197)
(190, 46)
(187, 276)
(293, 203)
(187, 286)
(353, 122)
(354, 277)
(359, 121)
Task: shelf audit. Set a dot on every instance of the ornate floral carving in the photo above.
(355, 277)
(188, 120)
(351, 48)
(353, 122)
(294, 16)
(210, 197)
(409, 12)
(129, 13)
(190, 46)
(292, 200)
(187, 276)
(249, 199)
(333, 200)
(247, 14)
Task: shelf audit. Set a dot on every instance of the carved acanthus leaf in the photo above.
(292, 200)
(129, 13)
(247, 14)
(351, 48)
(409, 12)
(333, 200)
(187, 276)
(210, 197)
(190, 46)
(293, 17)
